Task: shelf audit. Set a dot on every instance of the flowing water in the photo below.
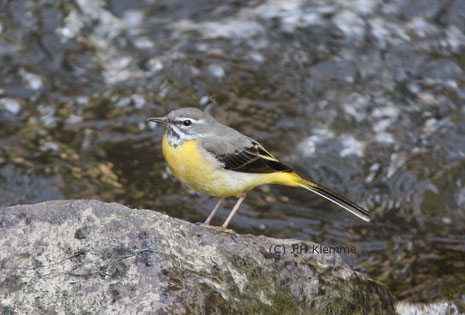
(366, 97)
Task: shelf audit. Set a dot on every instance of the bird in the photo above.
(214, 159)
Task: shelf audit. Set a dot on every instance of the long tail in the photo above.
(292, 179)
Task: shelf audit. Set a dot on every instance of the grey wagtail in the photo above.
(216, 160)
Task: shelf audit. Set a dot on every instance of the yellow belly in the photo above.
(203, 173)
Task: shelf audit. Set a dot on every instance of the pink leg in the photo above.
(210, 217)
(233, 211)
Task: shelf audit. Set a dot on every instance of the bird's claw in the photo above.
(217, 228)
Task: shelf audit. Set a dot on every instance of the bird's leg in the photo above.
(233, 211)
(210, 217)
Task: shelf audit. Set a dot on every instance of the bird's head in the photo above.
(186, 123)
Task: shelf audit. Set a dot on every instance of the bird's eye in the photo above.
(187, 122)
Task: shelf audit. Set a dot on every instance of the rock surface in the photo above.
(89, 257)
(440, 308)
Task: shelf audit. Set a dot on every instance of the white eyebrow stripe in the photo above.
(184, 118)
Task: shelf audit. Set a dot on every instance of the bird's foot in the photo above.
(217, 228)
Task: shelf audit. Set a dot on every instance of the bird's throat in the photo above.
(174, 138)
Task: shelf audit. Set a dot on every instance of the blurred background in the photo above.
(366, 97)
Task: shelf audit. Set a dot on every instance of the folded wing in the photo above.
(246, 156)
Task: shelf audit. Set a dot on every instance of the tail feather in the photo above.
(334, 197)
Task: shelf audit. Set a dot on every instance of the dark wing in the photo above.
(251, 159)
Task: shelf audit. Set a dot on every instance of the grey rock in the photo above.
(440, 308)
(90, 257)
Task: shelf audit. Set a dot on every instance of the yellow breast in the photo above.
(203, 173)
(187, 164)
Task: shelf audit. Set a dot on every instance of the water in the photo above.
(364, 97)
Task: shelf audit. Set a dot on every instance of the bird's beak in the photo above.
(160, 120)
